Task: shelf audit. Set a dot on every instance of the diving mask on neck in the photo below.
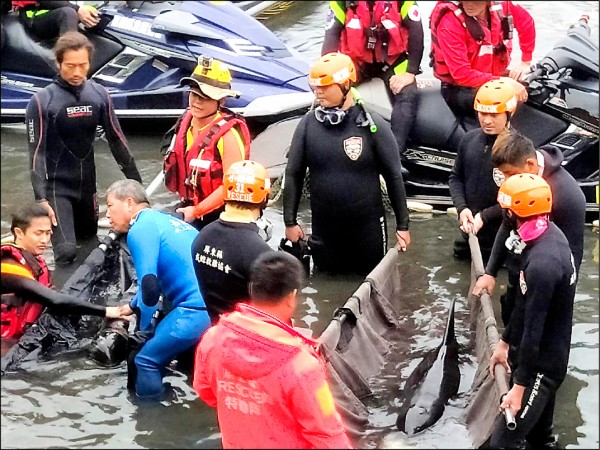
(331, 116)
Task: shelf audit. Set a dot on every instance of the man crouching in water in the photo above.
(267, 381)
(26, 283)
(160, 248)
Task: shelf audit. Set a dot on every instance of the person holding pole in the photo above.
(536, 342)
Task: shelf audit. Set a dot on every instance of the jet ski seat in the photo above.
(435, 126)
(24, 53)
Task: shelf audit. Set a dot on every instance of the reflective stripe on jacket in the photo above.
(465, 53)
(16, 313)
(195, 172)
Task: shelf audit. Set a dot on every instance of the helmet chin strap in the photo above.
(345, 95)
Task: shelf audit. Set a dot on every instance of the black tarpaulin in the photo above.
(354, 343)
(106, 268)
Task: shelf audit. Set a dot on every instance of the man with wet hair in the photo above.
(61, 124)
(267, 380)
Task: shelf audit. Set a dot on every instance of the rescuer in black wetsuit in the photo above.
(537, 341)
(345, 158)
(61, 124)
(471, 182)
(514, 153)
(391, 48)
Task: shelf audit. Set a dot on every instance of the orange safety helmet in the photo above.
(525, 195)
(246, 181)
(332, 68)
(496, 96)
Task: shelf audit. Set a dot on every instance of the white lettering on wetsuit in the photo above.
(533, 395)
(79, 111)
(212, 257)
(31, 131)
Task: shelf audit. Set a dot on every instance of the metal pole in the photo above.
(500, 374)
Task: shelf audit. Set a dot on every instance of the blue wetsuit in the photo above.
(160, 245)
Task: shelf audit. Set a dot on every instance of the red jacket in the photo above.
(268, 384)
(470, 62)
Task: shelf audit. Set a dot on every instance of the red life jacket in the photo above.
(373, 33)
(24, 3)
(16, 313)
(494, 46)
(195, 174)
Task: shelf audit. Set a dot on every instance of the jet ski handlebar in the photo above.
(537, 71)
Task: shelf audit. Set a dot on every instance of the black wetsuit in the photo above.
(32, 290)
(61, 127)
(539, 337)
(472, 186)
(568, 213)
(222, 254)
(61, 16)
(5, 8)
(404, 104)
(348, 216)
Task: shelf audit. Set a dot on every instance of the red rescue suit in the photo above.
(373, 32)
(195, 174)
(268, 383)
(24, 3)
(464, 53)
(16, 313)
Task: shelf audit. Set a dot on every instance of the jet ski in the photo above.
(144, 48)
(562, 110)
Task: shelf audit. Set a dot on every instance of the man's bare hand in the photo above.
(466, 220)
(484, 282)
(51, 213)
(403, 239)
(88, 16)
(517, 73)
(294, 233)
(397, 82)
